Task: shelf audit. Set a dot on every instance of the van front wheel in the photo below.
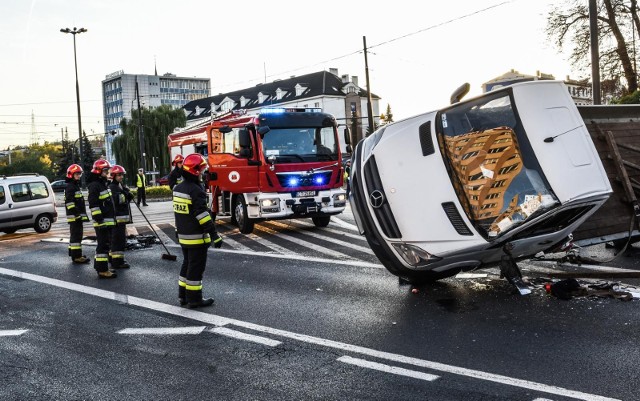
(43, 223)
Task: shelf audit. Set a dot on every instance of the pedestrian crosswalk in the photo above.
(338, 241)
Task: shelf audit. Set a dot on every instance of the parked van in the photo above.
(483, 182)
(26, 201)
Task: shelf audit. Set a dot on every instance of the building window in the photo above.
(261, 97)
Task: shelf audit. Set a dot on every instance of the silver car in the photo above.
(26, 201)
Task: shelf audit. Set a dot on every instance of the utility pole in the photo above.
(140, 129)
(366, 71)
(595, 52)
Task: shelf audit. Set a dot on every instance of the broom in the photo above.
(168, 255)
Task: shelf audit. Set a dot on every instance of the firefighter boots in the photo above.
(200, 304)
(107, 274)
(81, 260)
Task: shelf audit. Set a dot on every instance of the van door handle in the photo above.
(10, 205)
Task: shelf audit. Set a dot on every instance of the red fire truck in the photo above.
(281, 163)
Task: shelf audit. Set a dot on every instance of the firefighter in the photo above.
(102, 212)
(175, 176)
(76, 213)
(141, 183)
(195, 229)
(121, 197)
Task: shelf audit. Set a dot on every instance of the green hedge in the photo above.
(162, 191)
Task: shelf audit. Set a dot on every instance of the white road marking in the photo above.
(7, 333)
(244, 336)
(271, 245)
(329, 230)
(338, 241)
(542, 399)
(387, 368)
(343, 223)
(163, 331)
(306, 244)
(355, 349)
(295, 256)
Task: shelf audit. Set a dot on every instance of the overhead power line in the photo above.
(375, 45)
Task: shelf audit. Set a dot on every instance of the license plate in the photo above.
(302, 194)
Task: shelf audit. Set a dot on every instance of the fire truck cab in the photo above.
(278, 164)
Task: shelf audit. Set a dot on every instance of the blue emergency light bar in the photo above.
(279, 110)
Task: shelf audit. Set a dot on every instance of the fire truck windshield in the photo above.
(294, 145)
(492, 165)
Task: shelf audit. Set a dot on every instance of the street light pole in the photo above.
(75, 31)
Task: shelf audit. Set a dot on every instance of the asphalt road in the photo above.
(300, 313)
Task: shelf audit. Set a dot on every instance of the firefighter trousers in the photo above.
(190, 280)
(118, 243)
(75, 239)
(103, 237)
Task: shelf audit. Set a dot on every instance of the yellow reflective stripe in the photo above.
(116, 256)
(70, 205)
(94, 212)
(181, 200)
(70, 219)
(182, 283)
(75, 247)
(102, 259)
(193, 287)
(78, 195)
(192, 241)
(205, 219)
(105, 196)
(217, 240)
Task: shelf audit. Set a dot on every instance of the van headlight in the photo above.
(415, 256)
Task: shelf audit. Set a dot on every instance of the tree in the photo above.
(568, 25)
(64, 160)
(158, 123)
(87, 154)
(33, 159)
(386, 118)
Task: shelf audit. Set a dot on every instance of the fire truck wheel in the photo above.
(245, 224)
(321, 221)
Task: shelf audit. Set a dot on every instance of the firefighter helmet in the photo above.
(117, 169)
(178, 159)
(194, 164)
(74, 168)
(100, 165)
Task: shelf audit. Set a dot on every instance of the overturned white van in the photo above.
(490, 180)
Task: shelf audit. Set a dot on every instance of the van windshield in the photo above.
(291, 145)
(492, 166)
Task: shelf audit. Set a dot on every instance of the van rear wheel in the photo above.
(43, 223)
(245, 224)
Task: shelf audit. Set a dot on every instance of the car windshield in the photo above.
(290, 145)
(492, 166)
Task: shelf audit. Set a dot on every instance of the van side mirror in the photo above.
(349, 149)
(245, 152)
(347, 136)
(459, 93)
(225, 129)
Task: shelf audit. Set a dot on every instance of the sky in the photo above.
(419, 52)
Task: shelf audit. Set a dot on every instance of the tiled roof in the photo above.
(316, 84)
